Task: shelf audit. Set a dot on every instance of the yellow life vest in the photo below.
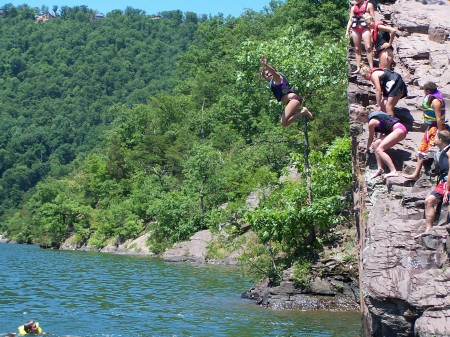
(429, 116)
(23, 332)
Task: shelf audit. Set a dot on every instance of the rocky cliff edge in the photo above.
(404, 282)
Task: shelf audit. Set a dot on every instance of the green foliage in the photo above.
(309, 69)
(128, 125)
(286, 217)
(177, 217)
(263, 261)
(302, 273)
(58, 80)
(319, 19)
(347, 257)
(224, 245)
(330, 106)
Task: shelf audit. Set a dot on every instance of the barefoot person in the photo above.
(389, 87)
(359, 31)
(382, 37)
(283, 93)
(440, 192)
(392, 132)
(433, 107)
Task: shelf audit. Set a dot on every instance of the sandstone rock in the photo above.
(321, 287)
(72, 244)
(193, 250)
(136, 246)
(433, 323)
(438, 31)
(404, 282)
(287, 296)
(335, 289)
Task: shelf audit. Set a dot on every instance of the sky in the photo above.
(227, 7)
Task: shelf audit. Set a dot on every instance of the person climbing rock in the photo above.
(389, 87)
(392, 132)
(382, 37)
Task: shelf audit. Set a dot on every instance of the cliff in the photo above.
(404, 282)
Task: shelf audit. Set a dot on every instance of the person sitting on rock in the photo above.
(389, 87)
(440, 192)
(382, 37)
(392, 132)
(433, 106)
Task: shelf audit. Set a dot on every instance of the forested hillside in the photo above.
(59, 78)
(126, 125)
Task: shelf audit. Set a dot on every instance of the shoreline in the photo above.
(337, 293)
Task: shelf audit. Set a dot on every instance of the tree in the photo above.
(200, 167)
(286, 218)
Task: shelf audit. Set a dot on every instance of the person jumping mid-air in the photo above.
(283, 93)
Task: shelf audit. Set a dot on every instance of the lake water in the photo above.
(97, 294)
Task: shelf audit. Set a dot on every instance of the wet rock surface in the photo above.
(404, 282)
(333, 292)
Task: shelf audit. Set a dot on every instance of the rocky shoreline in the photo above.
(333, 293)
(336, 289)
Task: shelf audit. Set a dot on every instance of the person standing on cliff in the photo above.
(382, 37)
(283, 93)
(440, 192)
(359, 31)
(433, 106)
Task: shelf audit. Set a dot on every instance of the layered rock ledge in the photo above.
(404, 282)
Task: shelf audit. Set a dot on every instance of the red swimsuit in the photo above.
(358, 22)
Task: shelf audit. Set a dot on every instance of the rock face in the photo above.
(3, 239)
(136, 246)
(193, 250)
(335, 291)
(404, 282)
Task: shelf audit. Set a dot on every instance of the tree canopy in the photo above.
(59, 79)
(126, 125)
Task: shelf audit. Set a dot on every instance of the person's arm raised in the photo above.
(275, 75)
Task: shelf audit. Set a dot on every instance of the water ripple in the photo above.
(84, 294)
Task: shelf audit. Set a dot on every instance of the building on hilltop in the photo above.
(45, 17)
(97, 16)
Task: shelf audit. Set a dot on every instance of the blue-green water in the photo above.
(95, 294)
